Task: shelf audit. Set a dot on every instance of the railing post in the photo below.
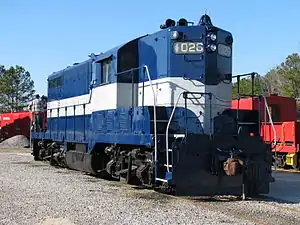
(185, 113)
(143, 98)
(154, 115)
(210, 114)
(132, 89)
(252, 83)
(167, 131)
(238, 103)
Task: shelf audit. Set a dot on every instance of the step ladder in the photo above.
(176, 138)
(168, 165)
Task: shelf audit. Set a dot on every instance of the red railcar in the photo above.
(15, 123)
(283, 126)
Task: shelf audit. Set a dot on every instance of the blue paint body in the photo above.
(75, 81)
(133, 126)
(130, 126)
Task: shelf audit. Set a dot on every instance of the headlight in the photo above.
(212, 47)
(212, 36)
(175, 35)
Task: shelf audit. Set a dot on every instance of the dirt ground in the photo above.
(15, 150)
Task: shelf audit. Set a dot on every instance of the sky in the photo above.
(46, 36)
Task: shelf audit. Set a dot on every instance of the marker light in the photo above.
(212, 36)
(212, 47)
(175, 35)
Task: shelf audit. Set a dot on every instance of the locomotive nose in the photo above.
(225, 170)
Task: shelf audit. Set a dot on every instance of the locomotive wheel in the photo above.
(51, 158)
(128, 177)
(35, 154)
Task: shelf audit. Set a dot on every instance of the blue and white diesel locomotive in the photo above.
(155, 112)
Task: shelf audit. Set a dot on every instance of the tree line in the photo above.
(283, 80)
(16, 89)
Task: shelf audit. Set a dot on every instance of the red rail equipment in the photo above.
(15, 123)
(283, 112)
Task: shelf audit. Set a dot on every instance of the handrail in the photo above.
(167, 131)
(244, 74)
(270, 117)
(91, 90)
(154, 115)
(272, 125)
(84, 103)
(171, 117)
(265, 104)
(145, 67)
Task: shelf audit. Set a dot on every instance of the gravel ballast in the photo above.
(36, 193)
(18, 141)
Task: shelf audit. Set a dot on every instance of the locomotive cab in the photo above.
(194, 58)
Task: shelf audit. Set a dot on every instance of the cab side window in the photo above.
(105, 71)
(55, 83)
(275, 112)
(17, 125)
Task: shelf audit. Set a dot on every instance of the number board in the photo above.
(224, 50)
(188, 47)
